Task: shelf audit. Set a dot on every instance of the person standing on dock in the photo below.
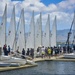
(23, 53)
(27, 52)
(43, 51)
(5, 50)
(32, 53)
(8, 49)
(49, 52)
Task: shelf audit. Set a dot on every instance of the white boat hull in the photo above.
(71, 55)
(9, 59)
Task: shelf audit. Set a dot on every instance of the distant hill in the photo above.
(62, 35)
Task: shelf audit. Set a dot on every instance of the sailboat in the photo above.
(38, 32)
(47, 33)
(72, 55)
(53, 34)
(3, 28)
(21, 32)
(31, 36)
(10, 59)
(12, 31)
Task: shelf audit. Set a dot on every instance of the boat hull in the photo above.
(71, 55)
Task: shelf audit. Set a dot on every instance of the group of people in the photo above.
(6, 50)
(30, 52)
(53, 51)
(41, 51)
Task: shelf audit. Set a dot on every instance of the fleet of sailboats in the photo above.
(34, 39)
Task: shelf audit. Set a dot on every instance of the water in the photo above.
(45, 68)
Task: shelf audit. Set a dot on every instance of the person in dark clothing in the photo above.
(28, 51)
(5, 50)
(8, 49)
(23, 53)
(46, 51)
(32, 53)
(38, 49)
(68, 49)
(64, 49)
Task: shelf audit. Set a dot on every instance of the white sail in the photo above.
(3, 28)
(21, 32)
(31, 36)
(32, 31)
(38, 32)
(12, 31)
(47, 33)
(53, 34)
(28, 40)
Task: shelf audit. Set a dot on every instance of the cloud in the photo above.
(63, 10)
(67, 4)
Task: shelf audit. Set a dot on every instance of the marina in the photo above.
(30, 39)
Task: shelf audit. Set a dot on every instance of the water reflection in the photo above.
(45, 68)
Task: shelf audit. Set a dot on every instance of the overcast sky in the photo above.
(63, 9)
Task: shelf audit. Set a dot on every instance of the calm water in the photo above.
(45, 68)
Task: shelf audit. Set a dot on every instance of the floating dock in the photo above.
(14, 68)
(54, 58)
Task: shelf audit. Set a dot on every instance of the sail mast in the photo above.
(24, 30)
(15, 28)
(49, 30)
(41, 28)
(5, 12)
(33, 30)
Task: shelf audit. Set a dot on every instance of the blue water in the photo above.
(46, 68)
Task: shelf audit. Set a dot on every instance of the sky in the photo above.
(62, 9)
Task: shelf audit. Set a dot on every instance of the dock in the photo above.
(53, 58)
(14, 68)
